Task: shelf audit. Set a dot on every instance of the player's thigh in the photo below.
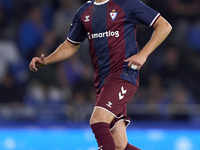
(101, 115)
(119, 135)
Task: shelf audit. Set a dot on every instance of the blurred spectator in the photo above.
(184, 7)
(38, 94)
(31, 33)
(12, 73)
(150, 103)
(12, 62)
(49, 44)
(177, 68)
(2, 22)
(22, 7)
(48, 13)
(7, 27)
(86, 83)
(47, 74)
(79, 103)
(35, 94)
(8, 7)
(171, 70)
(8, 56)
(57, 96)
(193, 36)
(71, 71)
(7, 10)
(183, 13)
(181, 102)
(63, 18)
(10, 92)
(156, 100)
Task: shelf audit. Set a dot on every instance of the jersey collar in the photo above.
(101, 2)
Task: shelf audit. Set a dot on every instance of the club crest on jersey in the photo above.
(113, 14)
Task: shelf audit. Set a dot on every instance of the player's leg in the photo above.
(101, 115)
(111, 100)
(100, 124)
(120, 137)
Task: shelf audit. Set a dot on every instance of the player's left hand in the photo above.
(37, 62)
(138, 60)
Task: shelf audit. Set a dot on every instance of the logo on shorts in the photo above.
(109, 104)
(100, 148)
(121, 94)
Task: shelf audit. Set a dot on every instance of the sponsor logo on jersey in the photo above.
(87, 18)
(113, 14)
(121, 94)
(104, 34)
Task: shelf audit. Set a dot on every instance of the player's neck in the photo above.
(100, 1)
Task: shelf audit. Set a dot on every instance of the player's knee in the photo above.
(101, 115)
(119, 146)
(95, 119)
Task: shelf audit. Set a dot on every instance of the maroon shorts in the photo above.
(113, 97)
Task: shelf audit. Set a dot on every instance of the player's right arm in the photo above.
(64, 51)
(77, 34)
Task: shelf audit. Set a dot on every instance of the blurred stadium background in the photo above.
(50, 109)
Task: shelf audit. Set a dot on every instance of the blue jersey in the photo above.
(110, 27)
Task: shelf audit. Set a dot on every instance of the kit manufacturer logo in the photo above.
(109, 104)
(87, 18)
(122, 93)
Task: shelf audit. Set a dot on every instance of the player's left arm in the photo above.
(161, 30)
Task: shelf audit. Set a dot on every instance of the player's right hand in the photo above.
(37, 62)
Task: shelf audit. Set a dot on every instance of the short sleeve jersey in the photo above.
(110, 28)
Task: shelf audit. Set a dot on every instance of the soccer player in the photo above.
(110, 26)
